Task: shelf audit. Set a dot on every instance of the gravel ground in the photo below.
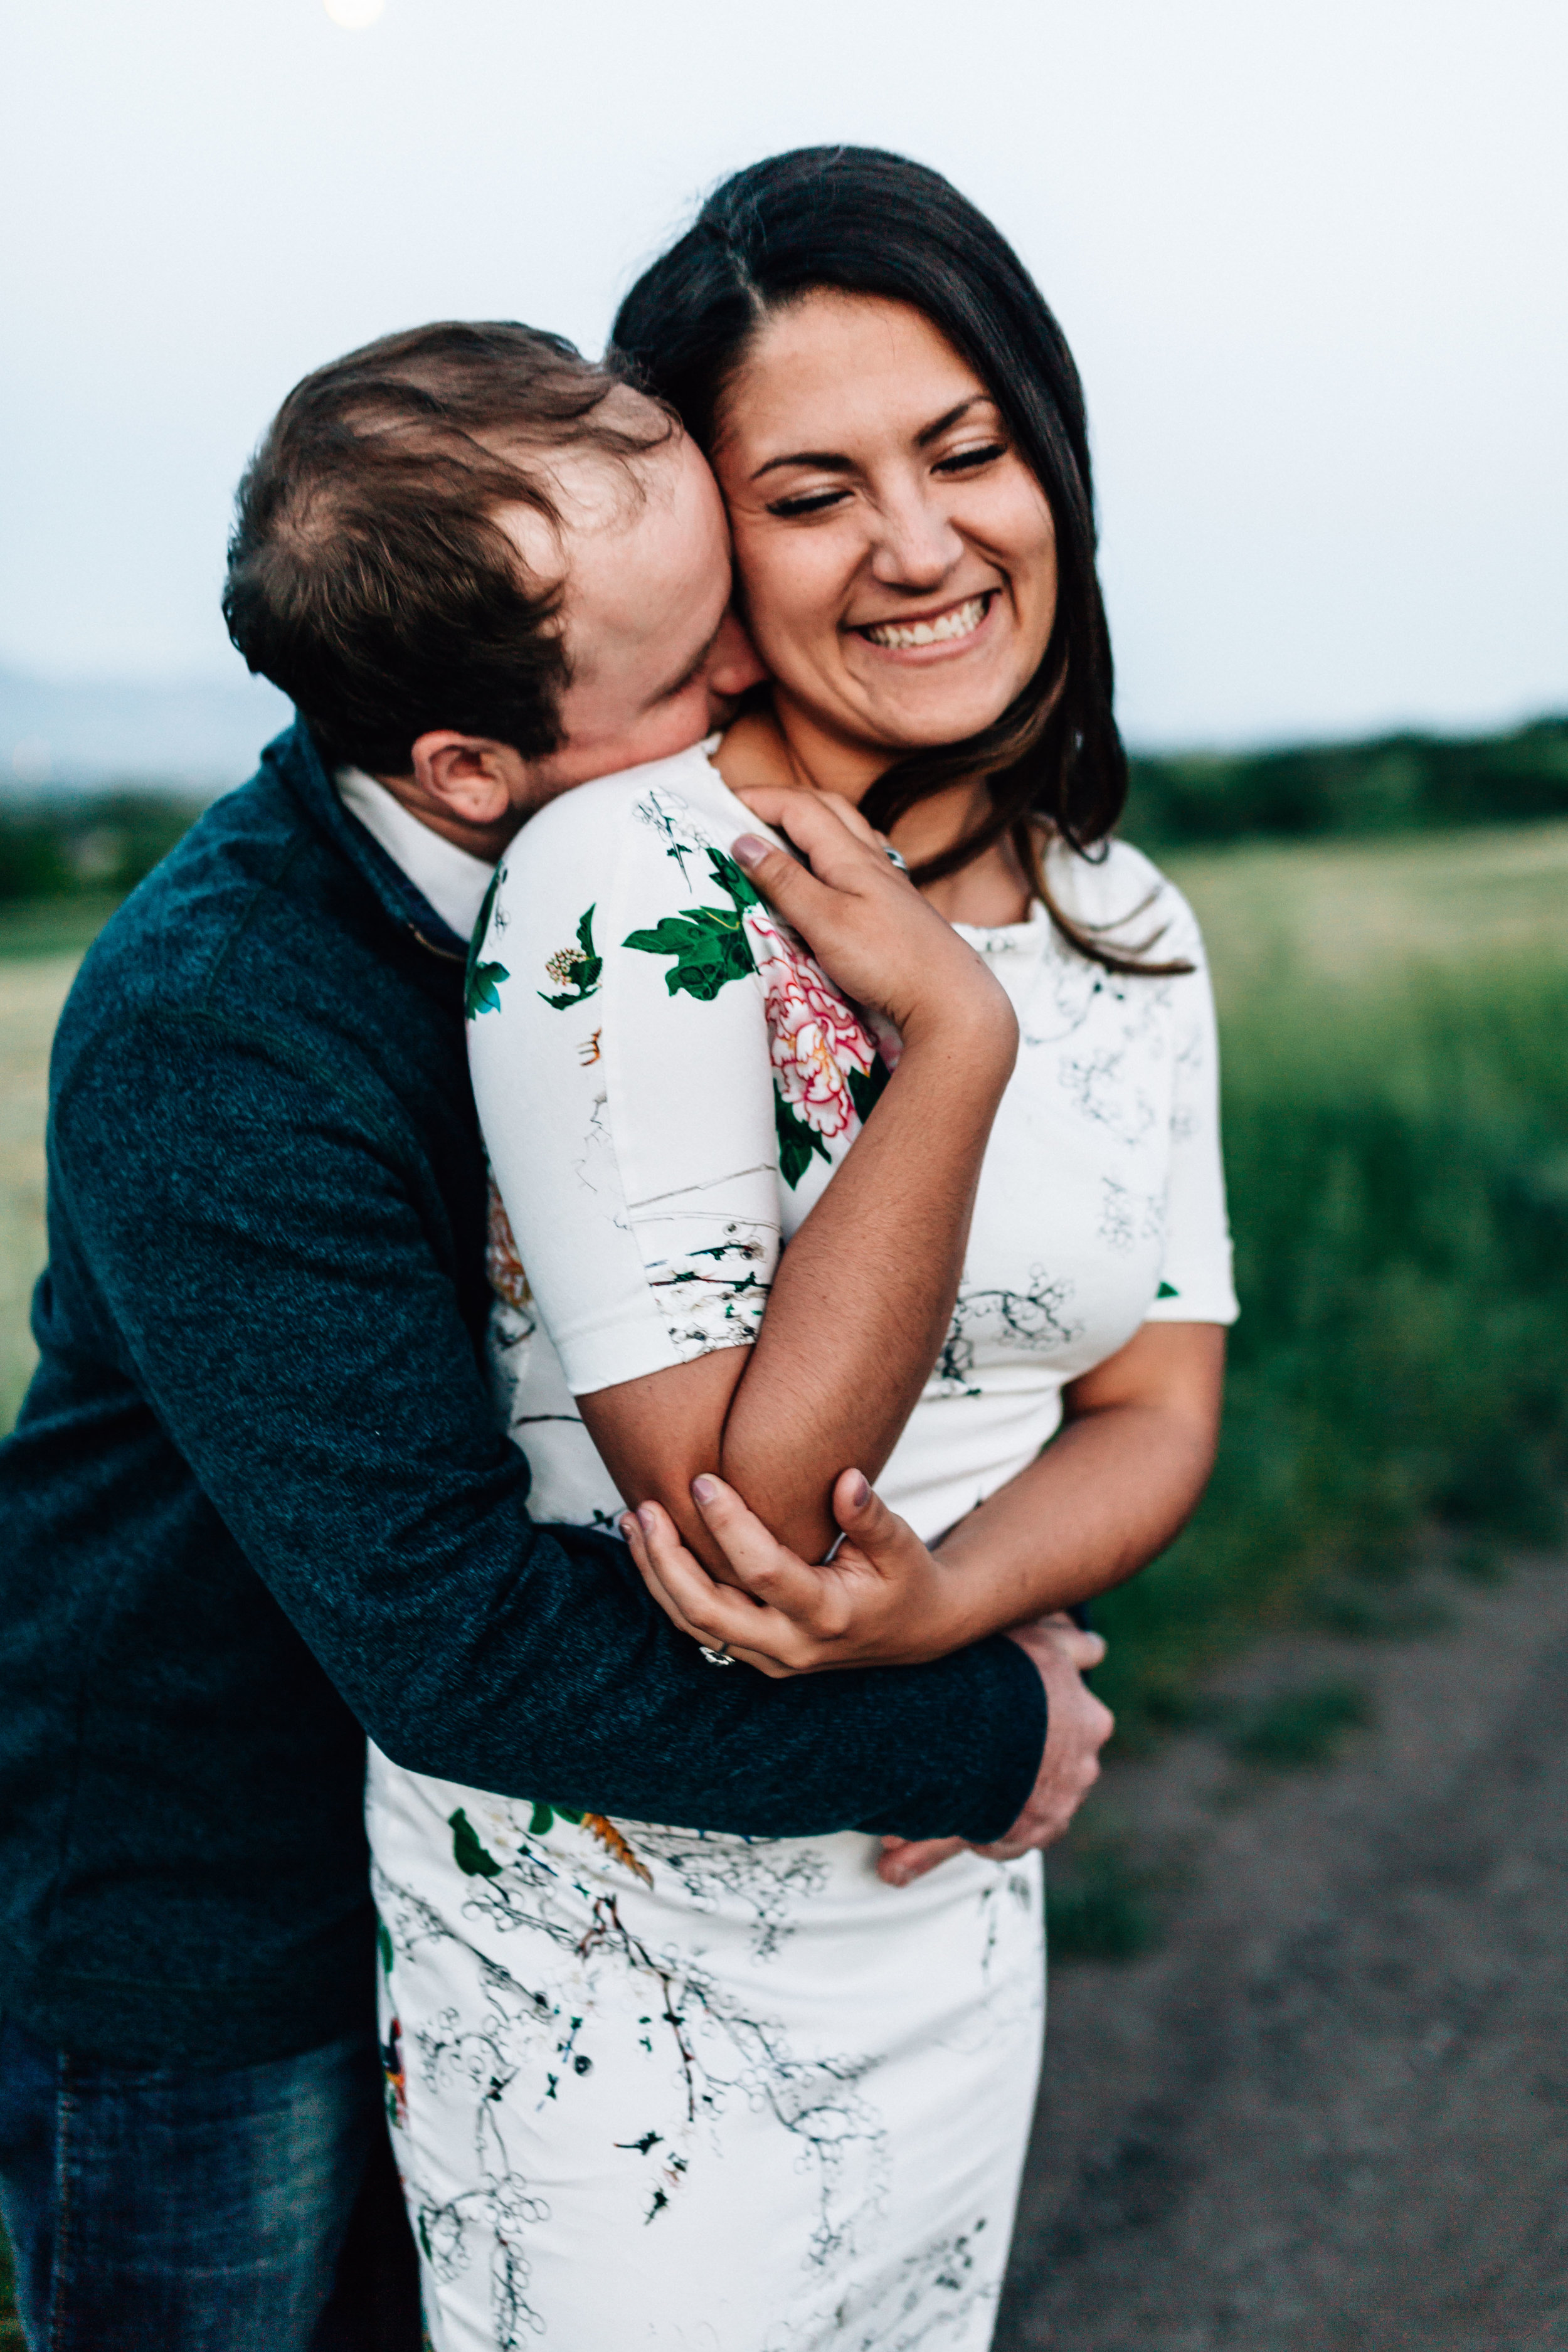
(1330, 2110)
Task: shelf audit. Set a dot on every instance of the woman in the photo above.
(690, 2090)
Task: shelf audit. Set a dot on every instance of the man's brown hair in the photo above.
(368, 575)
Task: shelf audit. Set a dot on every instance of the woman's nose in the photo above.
(916, 545)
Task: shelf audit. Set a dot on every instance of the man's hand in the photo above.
(787, 1617)
(1077, 1727)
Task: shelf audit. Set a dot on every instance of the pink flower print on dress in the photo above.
(816, 1038)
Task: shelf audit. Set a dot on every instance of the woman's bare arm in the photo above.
(1114, 1488)
(863, 1294)
(1112, 1491)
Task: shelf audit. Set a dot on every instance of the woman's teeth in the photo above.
(959, 623)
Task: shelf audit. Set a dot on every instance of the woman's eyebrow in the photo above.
(831, 461)
(950, 416)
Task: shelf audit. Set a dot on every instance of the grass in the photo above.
(47, 927)
(31, 994)
(1395, 1021)
(1366, 1609)
(1340, 917)
(1098, 1903)
(1294, 1729)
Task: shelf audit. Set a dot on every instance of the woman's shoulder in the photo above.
(1124, 895)
(664, 802)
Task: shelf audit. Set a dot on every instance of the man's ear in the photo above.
(475, 779)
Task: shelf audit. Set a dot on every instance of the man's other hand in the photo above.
(1077, 1727)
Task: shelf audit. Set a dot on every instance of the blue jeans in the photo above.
(159, 2210)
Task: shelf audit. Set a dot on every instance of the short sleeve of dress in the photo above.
(618, 1044)
(1195, 1285)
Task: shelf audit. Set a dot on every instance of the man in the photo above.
(256, 1502)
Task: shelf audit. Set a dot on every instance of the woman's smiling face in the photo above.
(896, 555)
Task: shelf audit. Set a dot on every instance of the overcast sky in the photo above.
(1312, 261)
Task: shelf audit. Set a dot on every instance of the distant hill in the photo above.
(194, 737)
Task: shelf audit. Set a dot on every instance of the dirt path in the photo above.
(1332, 2109)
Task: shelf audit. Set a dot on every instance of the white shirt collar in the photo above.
(454, 880)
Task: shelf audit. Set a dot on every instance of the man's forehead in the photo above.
(646, 569)
(602, 499)
(594, 493)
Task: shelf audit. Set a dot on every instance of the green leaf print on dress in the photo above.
(576, 971)
(467, 1851)
(796, 1142)
(827, 1071)
(542, 1821)
(708, 944)
(867, 1086)
(481, 982)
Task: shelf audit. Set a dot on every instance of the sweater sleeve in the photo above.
(316, 1374)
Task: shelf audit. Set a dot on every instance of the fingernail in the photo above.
(627, 1524)
(645, 1518)
(706, 1489)
(859, 1491)
(896, 1877)
(749, 849)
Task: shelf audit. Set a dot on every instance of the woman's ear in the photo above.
(475, 779)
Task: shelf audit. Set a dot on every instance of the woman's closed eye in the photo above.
(956, 463)
(968, 461)
(807, 503)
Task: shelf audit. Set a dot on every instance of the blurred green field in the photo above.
(32, 990)
(1395, 1024)
(1344, 916)
(1395, 1014)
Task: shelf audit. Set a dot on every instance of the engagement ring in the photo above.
(719, 1658)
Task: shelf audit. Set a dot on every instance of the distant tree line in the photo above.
(91, 845)
(1400, 784)
(101, 844)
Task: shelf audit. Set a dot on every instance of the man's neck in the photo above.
(448, 876)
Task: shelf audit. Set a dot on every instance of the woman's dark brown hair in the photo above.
(861, 220)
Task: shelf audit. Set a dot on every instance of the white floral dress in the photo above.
(657, 2087)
